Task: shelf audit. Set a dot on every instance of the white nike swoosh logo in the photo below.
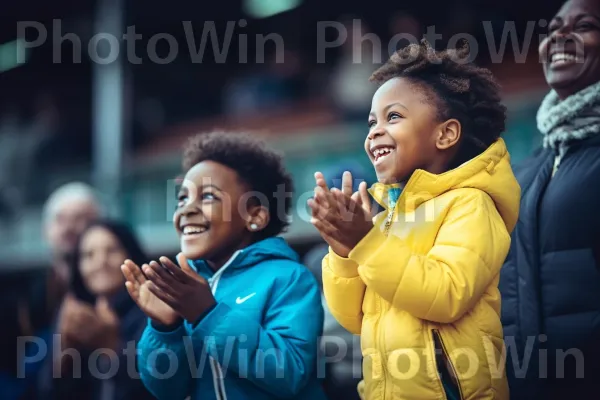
(240, 300)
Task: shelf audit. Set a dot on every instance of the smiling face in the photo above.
(100, 260)
(571, 52)
(211, 217)
(405, 134)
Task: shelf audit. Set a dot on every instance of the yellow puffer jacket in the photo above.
(426, 277)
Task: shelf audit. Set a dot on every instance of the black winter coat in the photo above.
(550, 282)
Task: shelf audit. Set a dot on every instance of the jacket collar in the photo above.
(424, 186)
(267, 249)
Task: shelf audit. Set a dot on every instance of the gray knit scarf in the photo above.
(575, 118)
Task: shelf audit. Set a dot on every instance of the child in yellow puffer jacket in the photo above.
(419, 282)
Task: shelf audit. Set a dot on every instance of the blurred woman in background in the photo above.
(550, 282)
(99, 314)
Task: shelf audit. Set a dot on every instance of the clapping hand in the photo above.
(342, 218)
(139, 288)
(180, 287)
(87, 326)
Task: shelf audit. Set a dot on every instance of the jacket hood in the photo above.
(273, 248)
(490, 172)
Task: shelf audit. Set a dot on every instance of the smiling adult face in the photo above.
(571, 52)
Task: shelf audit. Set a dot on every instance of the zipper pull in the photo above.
(388, 222)
(557, 160)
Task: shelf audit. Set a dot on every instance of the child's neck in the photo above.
(218, 262)
(216, 265)
(400, 184)
(437, 168)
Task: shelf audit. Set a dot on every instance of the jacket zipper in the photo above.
(215, 368)
(217, 372)
(438, 336)
(386, 229)
(387, 226)
(390, 216)
(388, 222)
(391, 211)
(557, 160)
(217, 380)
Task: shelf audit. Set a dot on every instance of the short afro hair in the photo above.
(459, 89)
(260, 167)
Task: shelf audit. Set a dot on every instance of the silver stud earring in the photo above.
(253, 227)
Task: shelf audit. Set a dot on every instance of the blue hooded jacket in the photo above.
(259, 342)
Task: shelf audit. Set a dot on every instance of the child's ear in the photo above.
(449, 134)
(258, 218)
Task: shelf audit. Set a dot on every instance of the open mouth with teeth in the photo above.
(557, 59)
(381, 153)
(193, 231)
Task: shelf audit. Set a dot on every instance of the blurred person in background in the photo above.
(32, 299)
(68, 210)
(98, 313)
(550, 282)
(66, 213)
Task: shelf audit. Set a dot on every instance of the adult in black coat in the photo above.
(100, 321)
(550, 283)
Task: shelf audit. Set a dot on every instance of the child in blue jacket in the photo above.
(240, 317)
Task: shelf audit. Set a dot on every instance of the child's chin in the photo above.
(386, 180)
(393, 178)
(191, 253)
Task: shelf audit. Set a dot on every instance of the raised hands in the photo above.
(342, 218)
(138, 287)
(167, 292)
(88, 326)
(181, 288)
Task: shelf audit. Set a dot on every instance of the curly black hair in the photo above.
(459, 89)
(259, 166)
